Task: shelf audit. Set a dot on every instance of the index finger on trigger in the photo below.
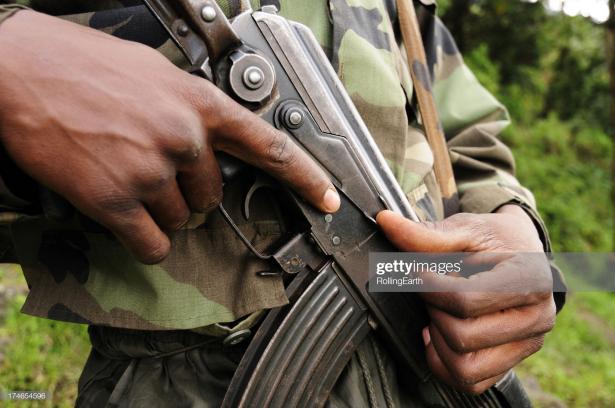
(251, 139)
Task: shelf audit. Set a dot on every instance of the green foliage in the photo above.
(553, 63)
(552, 76)
(487, 73)
(551, 73)
(566, 165)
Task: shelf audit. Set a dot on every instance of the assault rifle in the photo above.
(276, 68)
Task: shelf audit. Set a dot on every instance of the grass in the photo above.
(577, 362)
(38, 354)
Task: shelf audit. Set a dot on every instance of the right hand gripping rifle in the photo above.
(277, 69)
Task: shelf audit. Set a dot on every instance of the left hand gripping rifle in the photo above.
(277, 69)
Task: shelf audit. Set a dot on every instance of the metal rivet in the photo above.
(336, 240)
(253, 77)
(295, 118)
(328, 218)
(295, 261)
(182, 30)
(235, 338)
(208, 13)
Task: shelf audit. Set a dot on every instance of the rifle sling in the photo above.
(419, 71)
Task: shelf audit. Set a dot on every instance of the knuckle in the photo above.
(155, 253)
(213, 204)
(118, 206)
(153, 179)
(548, 325)
(459, 342)
(190, 151)
(536, 344)
(465, 370)
(280, 151)
(215, 201)
(180, 221)
(475, 389)
(182, 140)
(538, 297)
(460, 304)
(546, 320)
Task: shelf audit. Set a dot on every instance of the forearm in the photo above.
(12, 204)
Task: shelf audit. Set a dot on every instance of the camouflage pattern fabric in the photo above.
(77, 272)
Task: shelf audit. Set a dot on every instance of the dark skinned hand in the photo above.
(475, 337)
(127, 137)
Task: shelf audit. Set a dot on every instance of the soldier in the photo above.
(128, 139)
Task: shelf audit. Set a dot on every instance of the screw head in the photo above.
(295, 118)
(336, 240)
(328, 218)
(253, 77)
(182, 30)
(208, 13)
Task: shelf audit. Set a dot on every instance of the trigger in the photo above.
(260, 181)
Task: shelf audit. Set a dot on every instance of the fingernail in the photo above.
(331, 200)
(426, 336)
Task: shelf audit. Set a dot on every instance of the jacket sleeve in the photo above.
(8, 10)
(473, 119)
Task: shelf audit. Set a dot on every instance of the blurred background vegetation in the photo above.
(556, 74)
(553, 72)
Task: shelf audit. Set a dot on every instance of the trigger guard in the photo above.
(260, 181)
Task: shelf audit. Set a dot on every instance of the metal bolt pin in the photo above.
(208, 13)
(295, 118)
(253, 77)
(328, 218)
(182, 30)
(336, 240)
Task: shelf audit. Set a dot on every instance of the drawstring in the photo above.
(369, 383)
(388, 396)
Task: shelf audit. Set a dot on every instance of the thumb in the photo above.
(412, 236)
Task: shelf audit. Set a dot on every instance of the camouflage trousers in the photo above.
(131, 368)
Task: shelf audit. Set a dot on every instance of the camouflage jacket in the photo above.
(79, 273)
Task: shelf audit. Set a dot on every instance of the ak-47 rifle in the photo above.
(276, 68)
